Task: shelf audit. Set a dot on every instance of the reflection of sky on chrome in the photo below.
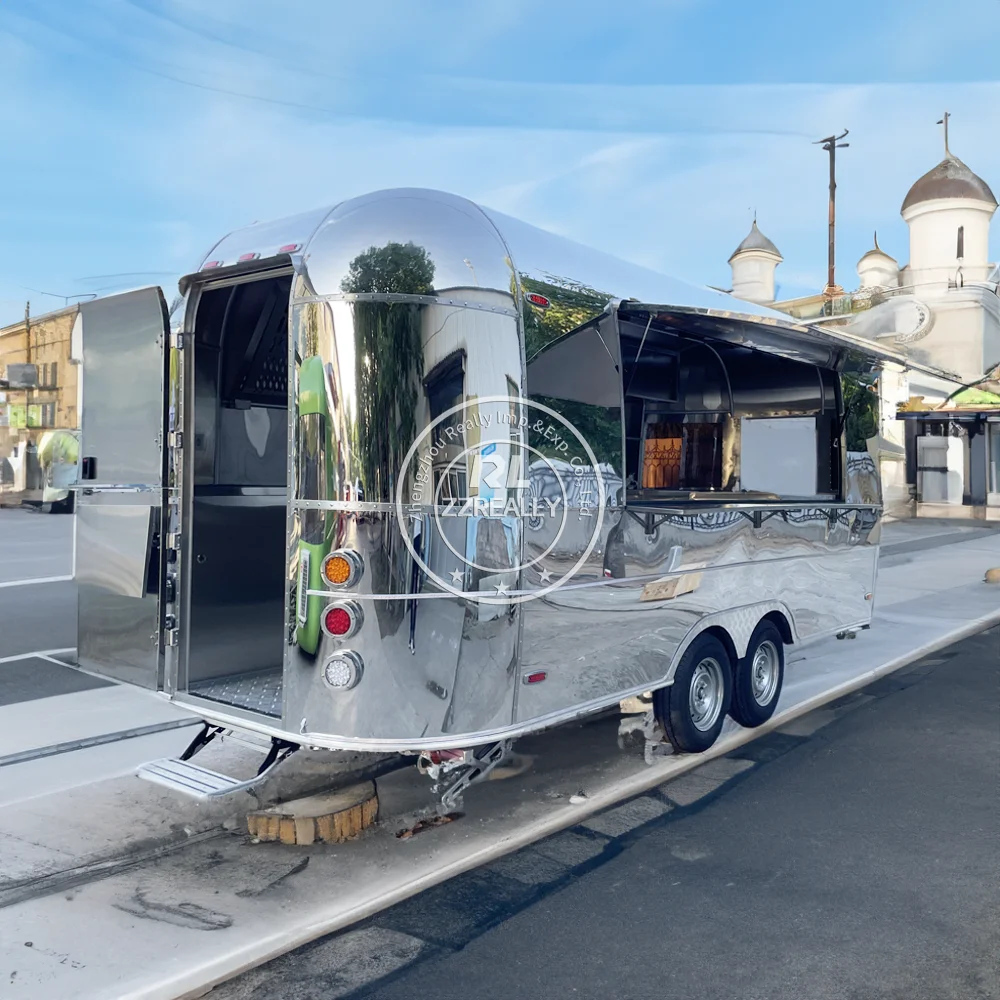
(155, 127)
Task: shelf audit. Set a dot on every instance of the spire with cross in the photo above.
(944, 122)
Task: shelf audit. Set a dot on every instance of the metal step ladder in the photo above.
(179, 774)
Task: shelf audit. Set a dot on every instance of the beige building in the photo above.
(38, 392)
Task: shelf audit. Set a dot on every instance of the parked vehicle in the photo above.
(58, 455)
(410, 475)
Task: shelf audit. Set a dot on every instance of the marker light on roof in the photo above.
(211, 263)
(248, 256)
(290, 248)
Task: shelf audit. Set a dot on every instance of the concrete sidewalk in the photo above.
(124, 891)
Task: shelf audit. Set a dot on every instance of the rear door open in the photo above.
(120, 487)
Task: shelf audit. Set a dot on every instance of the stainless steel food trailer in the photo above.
(410, 475)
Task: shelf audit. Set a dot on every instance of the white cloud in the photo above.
(149, 175)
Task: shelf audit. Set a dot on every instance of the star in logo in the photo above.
(457, 576)
(546, 575)
(502, 588)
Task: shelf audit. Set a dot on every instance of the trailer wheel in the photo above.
(693, 708)
(759, 676)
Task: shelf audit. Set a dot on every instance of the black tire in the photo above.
(757, 684)
(64, 506)
(675, 706)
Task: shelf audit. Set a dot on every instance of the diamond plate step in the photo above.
(193, 780)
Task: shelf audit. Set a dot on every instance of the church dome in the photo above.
(756, 240)
(878, 253)
(951, 178)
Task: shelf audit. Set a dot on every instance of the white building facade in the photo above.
(942, 308)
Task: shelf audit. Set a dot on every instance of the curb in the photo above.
(185, 987)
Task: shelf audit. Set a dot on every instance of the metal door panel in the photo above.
(117, 575)
(119, 506)
(122, 376)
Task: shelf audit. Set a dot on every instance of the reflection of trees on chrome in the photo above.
(600, 427)
(389, 357)
(570, 305)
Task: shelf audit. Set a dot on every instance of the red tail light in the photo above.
(342, 619)
(338, 621)
(539, 301)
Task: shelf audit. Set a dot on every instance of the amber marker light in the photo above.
(342, 569)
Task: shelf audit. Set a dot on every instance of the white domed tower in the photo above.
(877, 269)
(753, 263)
(948, 211)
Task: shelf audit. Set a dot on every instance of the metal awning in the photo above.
(828, 348)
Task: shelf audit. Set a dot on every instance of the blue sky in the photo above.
(136, 132)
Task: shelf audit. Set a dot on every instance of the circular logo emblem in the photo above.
(501, 500)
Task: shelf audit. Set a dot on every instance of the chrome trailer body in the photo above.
(279, 412)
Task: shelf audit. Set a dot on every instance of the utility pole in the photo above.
(831, 144)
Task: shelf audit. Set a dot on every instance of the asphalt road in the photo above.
(855, 855)
(37, 616)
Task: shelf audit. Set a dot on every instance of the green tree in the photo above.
(388, 358)
(570, 305)
(861, 407)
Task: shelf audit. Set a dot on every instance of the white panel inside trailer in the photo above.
(778, 455)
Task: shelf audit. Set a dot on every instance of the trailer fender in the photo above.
(733, 627)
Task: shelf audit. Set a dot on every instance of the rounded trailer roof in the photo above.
(469, 245)
(469, 250)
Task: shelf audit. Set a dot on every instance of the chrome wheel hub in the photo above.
(706, 693)
(764, 673)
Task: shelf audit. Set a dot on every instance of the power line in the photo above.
(365, 116)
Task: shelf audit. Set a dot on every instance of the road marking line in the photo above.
(63, 663)
(43, 654)
(36, 580)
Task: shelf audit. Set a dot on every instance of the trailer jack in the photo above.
(452, 771)
(655, 743)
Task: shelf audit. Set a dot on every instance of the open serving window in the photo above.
(697, 415)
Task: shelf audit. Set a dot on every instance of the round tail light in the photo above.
(342, 568)
(343, 670)
(342, 619)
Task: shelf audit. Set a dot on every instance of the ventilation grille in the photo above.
(267, 379)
